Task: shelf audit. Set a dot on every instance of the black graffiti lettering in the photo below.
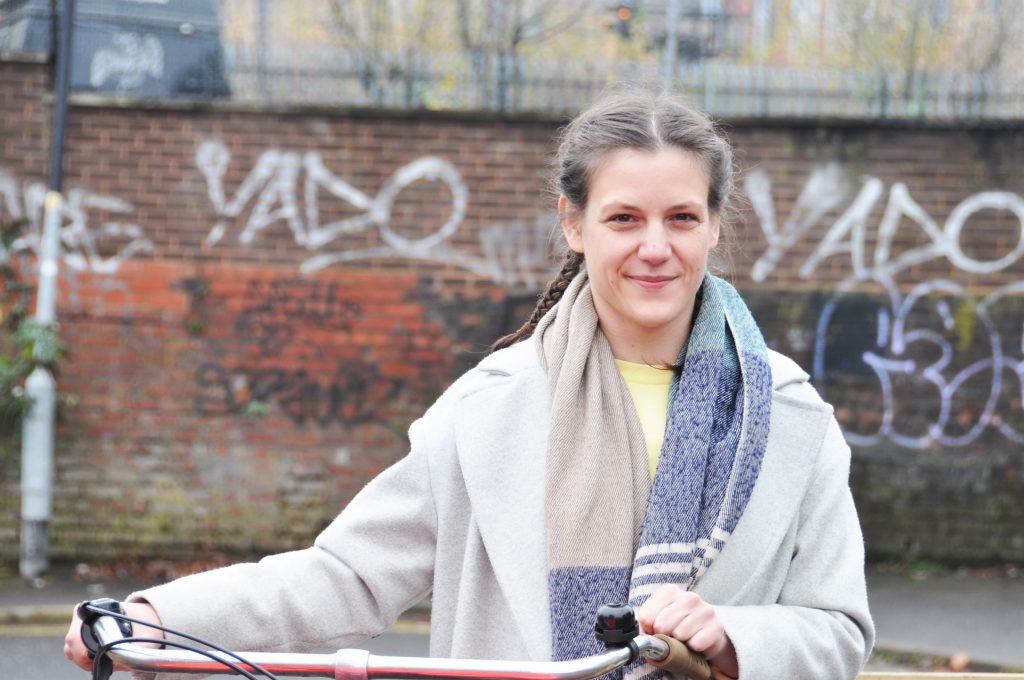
(299, 397)
(282, 323)
(266, 383)
(215, 394)
(351, 396)
(291, 302)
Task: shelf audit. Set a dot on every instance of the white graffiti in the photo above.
(920, 347)
(98, 248)
(270, 194)
(824, 192)
(515, 252)
(128, 62)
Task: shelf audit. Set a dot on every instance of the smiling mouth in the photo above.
(652, 282)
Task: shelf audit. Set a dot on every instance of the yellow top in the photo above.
(649, 387)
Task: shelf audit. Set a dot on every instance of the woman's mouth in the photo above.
(652, 282)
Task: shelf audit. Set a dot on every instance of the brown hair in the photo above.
(631, 118)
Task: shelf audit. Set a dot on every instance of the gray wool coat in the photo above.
(461, 517)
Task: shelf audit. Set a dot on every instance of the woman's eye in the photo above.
(624, 219)
(686, 218)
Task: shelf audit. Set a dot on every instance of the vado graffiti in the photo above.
(271, 194)
(95, 248)
(923, 343)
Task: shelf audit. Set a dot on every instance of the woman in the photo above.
(635, 439)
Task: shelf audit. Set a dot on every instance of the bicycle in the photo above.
(106, 631)
(105, 628)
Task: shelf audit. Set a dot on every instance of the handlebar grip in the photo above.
(682, 660)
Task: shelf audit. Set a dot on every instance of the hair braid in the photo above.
(570, 268)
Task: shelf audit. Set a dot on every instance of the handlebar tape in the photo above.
(682, 660)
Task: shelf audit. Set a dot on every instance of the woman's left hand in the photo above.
(684, 615)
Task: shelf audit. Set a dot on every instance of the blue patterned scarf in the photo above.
(613, 535)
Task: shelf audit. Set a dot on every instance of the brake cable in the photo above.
(103, 666)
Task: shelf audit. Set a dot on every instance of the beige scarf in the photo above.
(595, 435)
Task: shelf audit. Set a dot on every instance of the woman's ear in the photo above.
(715, 224)
(572, 226)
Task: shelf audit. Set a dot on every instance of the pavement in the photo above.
(975, 615)
(926, 620)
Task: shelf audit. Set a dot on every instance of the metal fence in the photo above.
(324, 75)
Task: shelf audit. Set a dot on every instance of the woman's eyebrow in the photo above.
(626, 205)
(686, 205)
(618, 205)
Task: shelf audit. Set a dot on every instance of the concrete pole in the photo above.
(37, 428)
(40, 388)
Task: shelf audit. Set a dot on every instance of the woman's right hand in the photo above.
(75, 649)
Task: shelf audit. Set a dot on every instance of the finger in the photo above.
(677, 612)
(705, 634)
(669, 618)
(79, 658)
(657, 601)
(653, 613)
(683, 617)
(686, 629)
(695, 619)
(709, 641)
(74, 648)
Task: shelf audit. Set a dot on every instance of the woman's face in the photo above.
(645, 232)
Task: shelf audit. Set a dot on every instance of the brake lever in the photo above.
(87, 612)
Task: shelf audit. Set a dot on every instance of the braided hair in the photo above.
(628, 118)
(570, 268)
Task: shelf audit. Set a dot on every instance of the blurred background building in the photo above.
(846, 58)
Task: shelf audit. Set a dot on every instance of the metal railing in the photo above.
(327, 75)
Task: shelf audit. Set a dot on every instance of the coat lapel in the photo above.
(501, 436)
(797, 430)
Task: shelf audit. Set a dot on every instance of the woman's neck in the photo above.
(658, 347)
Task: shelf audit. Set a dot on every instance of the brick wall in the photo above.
(258, 304)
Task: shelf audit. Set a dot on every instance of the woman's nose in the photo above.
(655, 246)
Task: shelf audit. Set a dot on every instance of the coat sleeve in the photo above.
(820, 626)
(375, 560)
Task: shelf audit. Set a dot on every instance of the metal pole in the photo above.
(671, 43)
(261, 47)
(40, 388)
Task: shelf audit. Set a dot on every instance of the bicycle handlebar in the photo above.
(357, 664)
